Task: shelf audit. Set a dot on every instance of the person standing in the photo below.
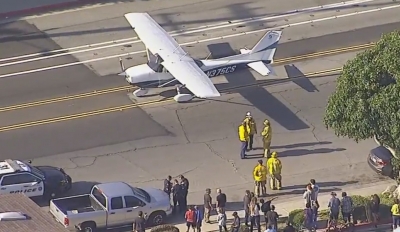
(246, 203)
(207, 205)
(251, 129)
(395, 214)
(177, 196)
(308, 217)
(235, 222)
(346, 207)
(267, 136)
(266, 207)
(309, 195)
(272, 218)
(375, 205)
(243, 138)
(185, 188)
(220, 200)
(139, 224)
(254, 215)
(315, 188)
(199, 218)
(275, 170)
(260, 179)
(314, 208)
(334, 208)
(168, 186)
(190, 217)
(221, 218)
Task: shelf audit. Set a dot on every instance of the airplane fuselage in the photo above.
(145, 75)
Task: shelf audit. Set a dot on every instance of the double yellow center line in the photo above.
(164, 100)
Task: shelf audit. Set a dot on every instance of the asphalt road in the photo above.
(107, 129)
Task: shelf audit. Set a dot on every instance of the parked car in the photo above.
(34, 181)
(111, 205)
(379, 159)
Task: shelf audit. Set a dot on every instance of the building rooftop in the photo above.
(39, 219)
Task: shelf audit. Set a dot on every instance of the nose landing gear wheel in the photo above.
(182, 97)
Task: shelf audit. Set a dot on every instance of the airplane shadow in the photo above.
(258, 96)
(298, 78)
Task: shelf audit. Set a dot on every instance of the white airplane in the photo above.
(168, 62)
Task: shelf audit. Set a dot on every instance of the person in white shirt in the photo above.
(315, 188)
(254, 214)
(221, 218)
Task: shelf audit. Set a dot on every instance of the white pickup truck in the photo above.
(111, 205)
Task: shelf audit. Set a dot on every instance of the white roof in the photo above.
(180, 65)
(11, 166)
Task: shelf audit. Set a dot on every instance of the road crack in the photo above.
(231, 162)
(182, 127)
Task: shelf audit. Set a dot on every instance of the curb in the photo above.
(46, 8)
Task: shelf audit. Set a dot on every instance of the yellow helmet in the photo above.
(266, 122)
(274, 154)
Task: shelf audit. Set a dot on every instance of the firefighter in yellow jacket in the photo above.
(267, 136)
(274, 169)
(244, 138)
(251, 129)
(260, 179)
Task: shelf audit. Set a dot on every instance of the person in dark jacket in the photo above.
(375, 205)
(265, 207)
(185, 188)
(168, 186)
(177, 196)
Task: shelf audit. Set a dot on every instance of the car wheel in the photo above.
(157, 218)
(88, 227)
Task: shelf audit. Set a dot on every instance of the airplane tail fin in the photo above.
(268, 42)
(121, 63)
(264, 50)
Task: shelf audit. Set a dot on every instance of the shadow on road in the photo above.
(259, 97)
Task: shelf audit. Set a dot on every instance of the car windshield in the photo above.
(141, 193)
(35, 170)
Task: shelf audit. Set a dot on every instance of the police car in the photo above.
(34, 181)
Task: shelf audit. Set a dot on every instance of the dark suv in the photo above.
(379, 159)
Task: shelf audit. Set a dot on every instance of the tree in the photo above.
(366, 102)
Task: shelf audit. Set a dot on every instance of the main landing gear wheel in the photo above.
(182, 97)
(140, 92)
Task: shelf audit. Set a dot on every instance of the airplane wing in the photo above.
(181, 66)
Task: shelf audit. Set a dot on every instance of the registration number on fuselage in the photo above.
(221, 71)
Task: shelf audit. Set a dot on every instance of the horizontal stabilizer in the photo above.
(261, 68)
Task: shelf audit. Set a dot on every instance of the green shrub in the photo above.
(323, 214)
(296, 217)
(386, 204)
(164, 228)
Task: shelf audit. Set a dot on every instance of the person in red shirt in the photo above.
(190, 217)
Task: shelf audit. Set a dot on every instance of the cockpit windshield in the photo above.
(155, 63)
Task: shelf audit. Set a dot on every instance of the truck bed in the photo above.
(77, 204)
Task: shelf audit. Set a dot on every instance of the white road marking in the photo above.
(121, 42)
(41, 15)
(202, 41)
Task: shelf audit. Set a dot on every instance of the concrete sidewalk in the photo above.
(284, 207)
